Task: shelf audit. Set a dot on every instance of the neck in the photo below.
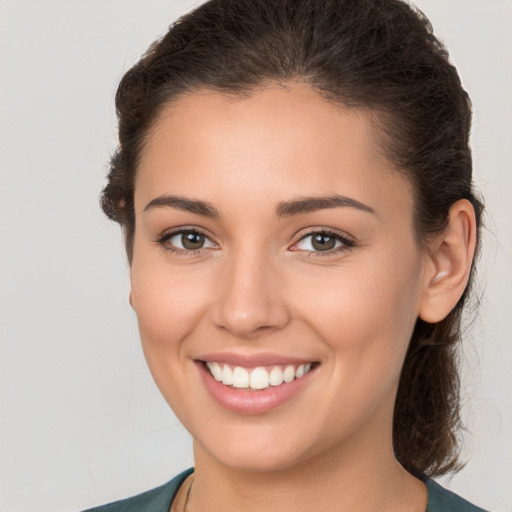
(361, 475)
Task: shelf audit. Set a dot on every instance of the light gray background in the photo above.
(81, 421)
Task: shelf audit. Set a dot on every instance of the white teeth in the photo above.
(289, 373)
(258, 378)
(227, 375)
(276, 376)
(215, 370)
(240, 377)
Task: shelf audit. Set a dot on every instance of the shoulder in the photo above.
(158, 499)
(443, 500)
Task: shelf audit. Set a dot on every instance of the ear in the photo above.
(449, 263)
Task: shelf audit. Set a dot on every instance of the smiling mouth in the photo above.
(259, 378)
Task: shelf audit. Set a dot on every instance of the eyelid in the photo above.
(162, 240)
(347, 242)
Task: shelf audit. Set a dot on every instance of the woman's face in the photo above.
(271, 234)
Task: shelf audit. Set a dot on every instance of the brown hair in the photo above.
(378, 55)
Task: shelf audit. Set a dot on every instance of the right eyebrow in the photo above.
(181, 203)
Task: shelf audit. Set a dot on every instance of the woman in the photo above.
(294, 185)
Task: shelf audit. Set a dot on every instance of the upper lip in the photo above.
(252, 360)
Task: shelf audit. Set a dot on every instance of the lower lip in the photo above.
(244, 401)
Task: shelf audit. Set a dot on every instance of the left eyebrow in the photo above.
(312, 204)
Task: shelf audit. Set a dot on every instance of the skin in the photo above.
(259, 286)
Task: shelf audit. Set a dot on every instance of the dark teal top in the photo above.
(161, 498)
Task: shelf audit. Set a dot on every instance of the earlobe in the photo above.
(450, 263)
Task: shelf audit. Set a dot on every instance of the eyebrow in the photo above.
(182, 203)
(284, 208)
(312, 204)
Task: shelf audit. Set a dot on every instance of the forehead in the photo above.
(277, 141)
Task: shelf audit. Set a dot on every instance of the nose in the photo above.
(249, 300)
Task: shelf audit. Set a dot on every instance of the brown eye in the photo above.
(192, 240)
(189, 240)
(323, 242)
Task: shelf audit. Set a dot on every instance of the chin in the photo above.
(254, 452)
(250, 462)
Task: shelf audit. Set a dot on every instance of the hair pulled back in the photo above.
(376, 55)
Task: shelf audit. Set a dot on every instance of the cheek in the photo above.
(166, 299)
(168, 304)
(366, 312)
(366, 321)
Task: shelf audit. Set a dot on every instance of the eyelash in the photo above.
(165, 237)
(346, 242)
